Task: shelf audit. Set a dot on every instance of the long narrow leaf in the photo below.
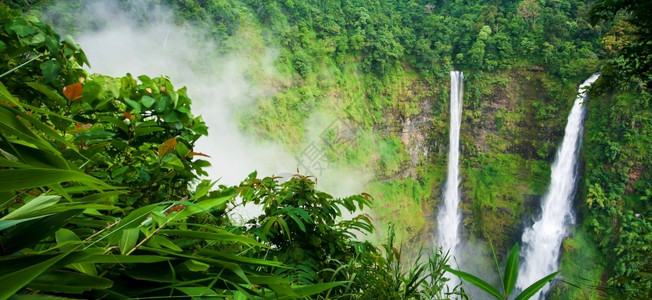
(38, 203)
(13, 282)
(511, 271)
(477, 282)
(535, 287)
(35, 177)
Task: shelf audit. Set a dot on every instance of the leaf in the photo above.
(535, 287)
(199, 292)
(223, 236)
(38, 203)
(511, 271)
(16, 179)
(69, 282)
(144, 130)
(196, 266)
(124, 259)
(133, 104)
(73, 92)
(199, 154)
(20, 27)
(147, 101)
(130, 221)
(48, 92)
(10, 223)
(27, 234)
(165, 242)
(172, 162)
(167, 147)
(13, 282)
(476, 281)
(63, 236)
(182, 149)
(204, 206)
(50, 69)
(129, 240)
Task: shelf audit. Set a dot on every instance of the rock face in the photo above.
(510, 129)
(414, 135)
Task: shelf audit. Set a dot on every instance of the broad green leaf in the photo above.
(172, 162)
(511, 271)
(13, 282)
(129, 239)
(223, 236)
(165, 242)
(196, 266)
(48, 92)
(20, 27)
(26, 234)
(145, 130)
(69, 282)
(50, 69)
(535, 287)
(64, 235)
(9, 223)
(147, 101)
(135, 105)
(35, 177)
(477, 282)
(38, 203)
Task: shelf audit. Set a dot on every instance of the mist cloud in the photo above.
(118, 41)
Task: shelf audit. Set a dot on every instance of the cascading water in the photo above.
(543, 240)
(449, 217)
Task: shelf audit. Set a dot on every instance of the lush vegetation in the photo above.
(382, 65)
(101, 198)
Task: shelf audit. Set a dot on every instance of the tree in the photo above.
(633, 57)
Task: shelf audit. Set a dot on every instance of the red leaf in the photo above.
(73, 92)
(199, 154)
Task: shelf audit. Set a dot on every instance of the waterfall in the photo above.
(540, 254)
(449, 217)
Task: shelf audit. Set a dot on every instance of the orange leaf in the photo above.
(127, 115)
(167, 147)
(175, 208)
(73, 92)
(199, 154)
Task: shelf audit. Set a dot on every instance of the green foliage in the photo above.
(102, 198)
(628, 42)
(617, 187)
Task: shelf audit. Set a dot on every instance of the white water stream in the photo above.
(542, 242)
(448, 220)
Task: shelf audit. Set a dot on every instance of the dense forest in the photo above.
(105, 194)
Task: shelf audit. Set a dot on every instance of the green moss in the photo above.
(581, 268)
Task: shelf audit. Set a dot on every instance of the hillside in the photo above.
(382, 67)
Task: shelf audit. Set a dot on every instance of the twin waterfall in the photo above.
(542, 241)
(448, 220)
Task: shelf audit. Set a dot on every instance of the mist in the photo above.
(118, 42)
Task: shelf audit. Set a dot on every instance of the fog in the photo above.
(117, 42)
